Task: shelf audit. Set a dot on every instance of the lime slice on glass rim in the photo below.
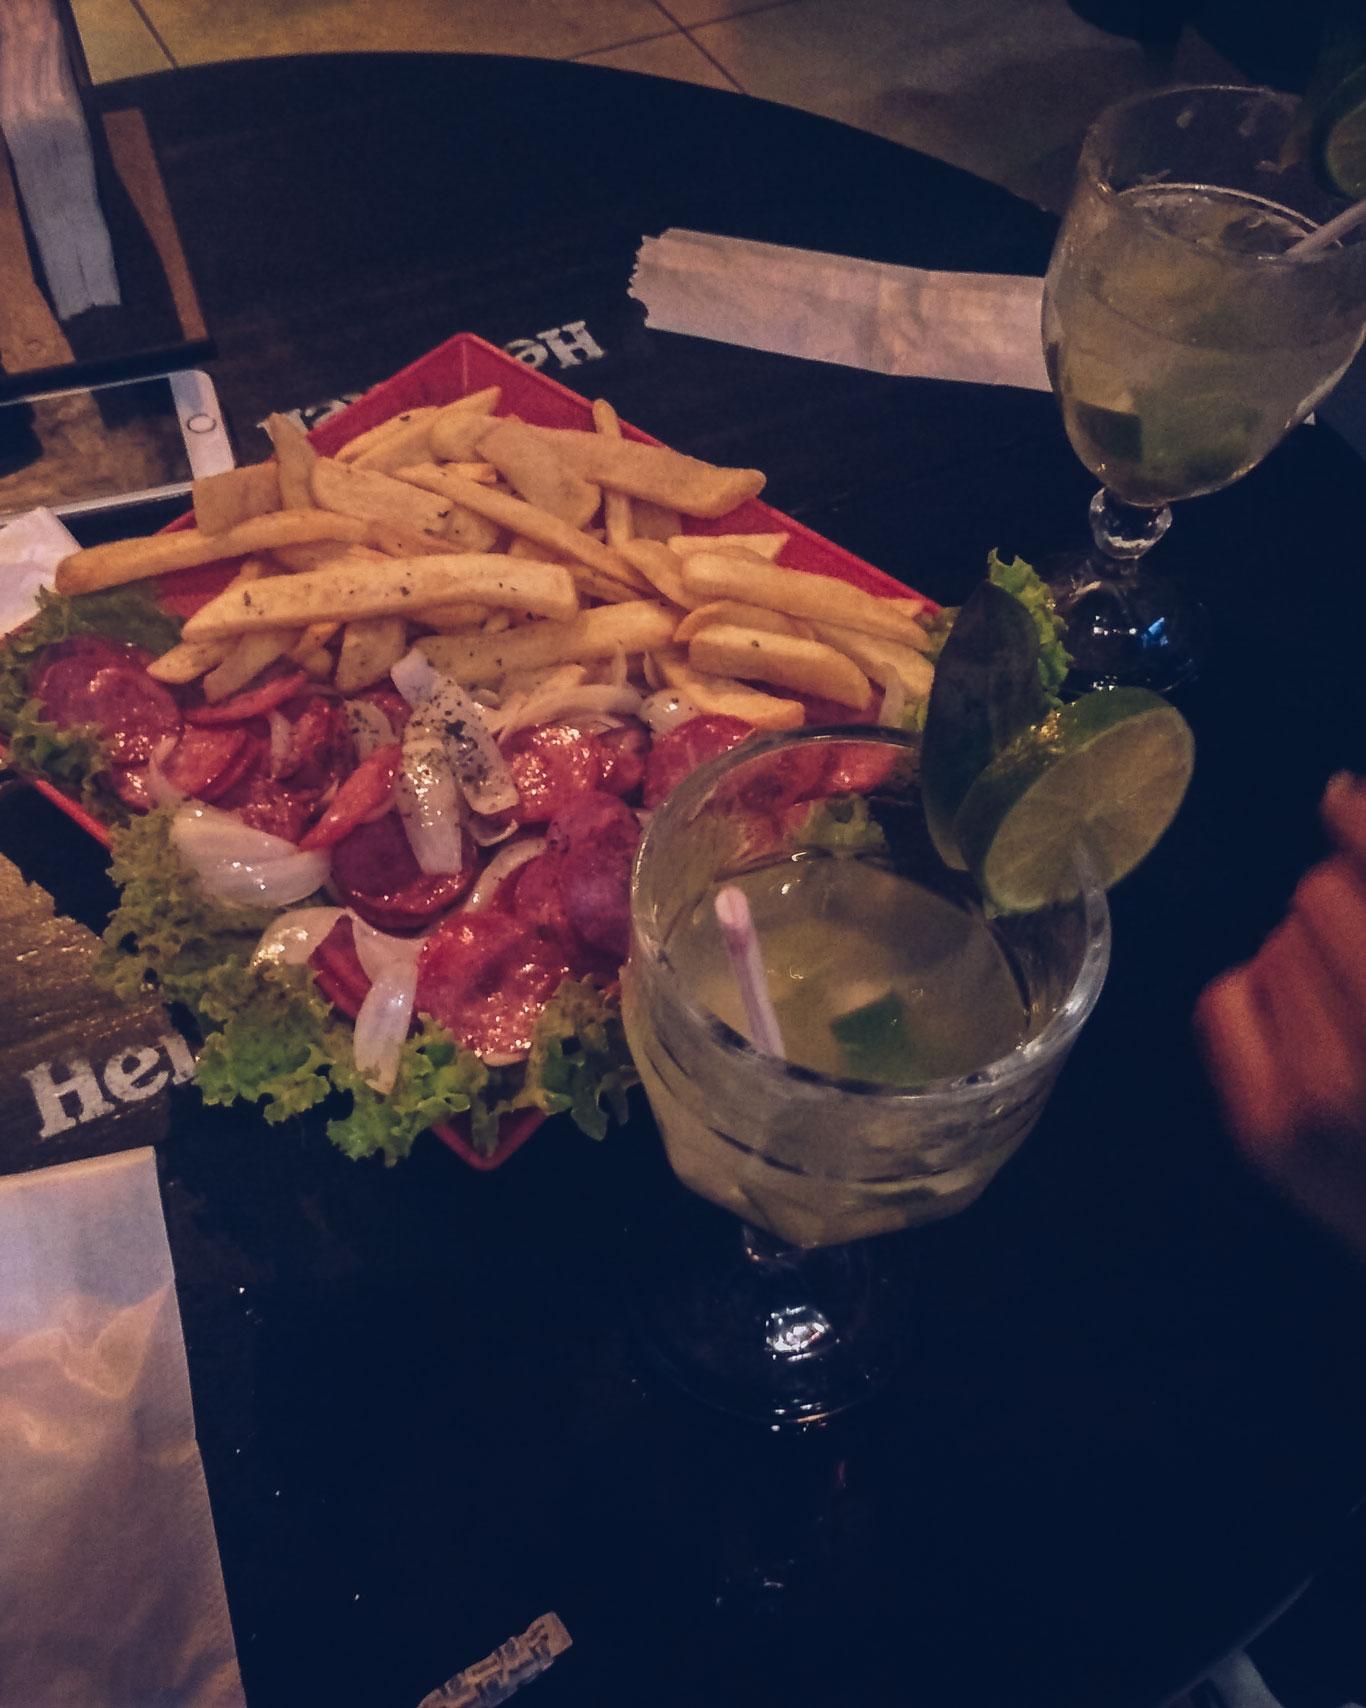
(1339, 142)
(1107, 771)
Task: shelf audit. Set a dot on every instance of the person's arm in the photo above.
(1284, 1037)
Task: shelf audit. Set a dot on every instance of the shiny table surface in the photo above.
(1133, 1410)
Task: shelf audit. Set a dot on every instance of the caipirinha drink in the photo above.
(1180, 341)
(920, 1038)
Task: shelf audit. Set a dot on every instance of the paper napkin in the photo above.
(31, 547)
(980, 327)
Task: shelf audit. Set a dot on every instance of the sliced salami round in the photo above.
(132, 784)
(364, 796)
(486, 978)
(321, 749)
(390, 702)
(533, 895)
(551, 765)
(626, 750)
(857, 768)
(254, 703)
(206, 763)
(68, 665)
(595, 882)
(675, 755)
(337, 969)
(374, 869)
(268, 805)
(829, 713)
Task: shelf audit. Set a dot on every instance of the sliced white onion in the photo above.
(264, 883)
(893, 701)
(592, 699)
(382, 1023)
(369, 727)
(281, 739)
(488, 832)
(428, 799)
(293, 937)
(201, 832)
(503, 864)
(616, 670)
(667, 708)
(162, 790)
(649, 668)
(390, 963)
(443, 704)
(379, 953)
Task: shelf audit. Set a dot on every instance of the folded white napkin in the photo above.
(31, 547)
(112, 1590)
(981, 327)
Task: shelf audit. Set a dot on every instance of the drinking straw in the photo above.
(742, 946)
(1348, 220)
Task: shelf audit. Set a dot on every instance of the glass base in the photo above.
(771, 1333)
(1132, 628)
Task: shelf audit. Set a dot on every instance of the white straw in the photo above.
(742, 946)
(1348, 220)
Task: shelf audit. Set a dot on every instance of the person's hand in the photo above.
(1284, 1037)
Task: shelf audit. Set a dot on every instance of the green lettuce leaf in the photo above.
(74, 759)
(843, 824)
(270, 1038)
(1018, 578)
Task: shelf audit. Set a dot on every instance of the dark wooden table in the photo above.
(1133, 1413)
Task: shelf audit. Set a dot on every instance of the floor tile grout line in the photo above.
(733, 81)
(155, 34)
(631, 41)
(746, 11)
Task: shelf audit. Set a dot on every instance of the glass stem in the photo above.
(1123, 533)
(762, 1248)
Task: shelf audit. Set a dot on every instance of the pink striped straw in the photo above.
(742, 947)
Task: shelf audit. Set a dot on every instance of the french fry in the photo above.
(616, 506)
(455, 433)
(639, 626)
(356, 491)
(317, 663)
(484, 473)
(186, 661)
(525, 519)
(311, 641)
(122, 561)
(654, 521)
(393, 442)
(319, 554)
(787, 661)
(350, 592)
(722, 696)
(249, 656)
(654, 472)
(294, 459)
(733, 611)
(223, 500)
(881, 659)
(370, 649)
(395, 539)
(796, 593)
(758, 545)
(534, 472)
(663, 570)
(451, 619)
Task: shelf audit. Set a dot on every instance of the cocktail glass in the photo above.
(795, 1319)
(1183, 342)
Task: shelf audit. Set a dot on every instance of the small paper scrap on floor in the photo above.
(506, 1670)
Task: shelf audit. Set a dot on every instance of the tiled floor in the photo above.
(1003, 87)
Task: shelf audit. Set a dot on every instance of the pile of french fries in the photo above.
(517, 556)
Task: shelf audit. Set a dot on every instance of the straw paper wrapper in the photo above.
(979, 327)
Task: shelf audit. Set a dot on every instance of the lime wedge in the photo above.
(1342, 148)
(1108, 771)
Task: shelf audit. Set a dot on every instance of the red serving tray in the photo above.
(464, 364)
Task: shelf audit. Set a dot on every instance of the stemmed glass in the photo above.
(791, 1318)
(1183, 341)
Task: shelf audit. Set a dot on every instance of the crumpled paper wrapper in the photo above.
(978, 327)
(112, 1589)
(31, 547)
